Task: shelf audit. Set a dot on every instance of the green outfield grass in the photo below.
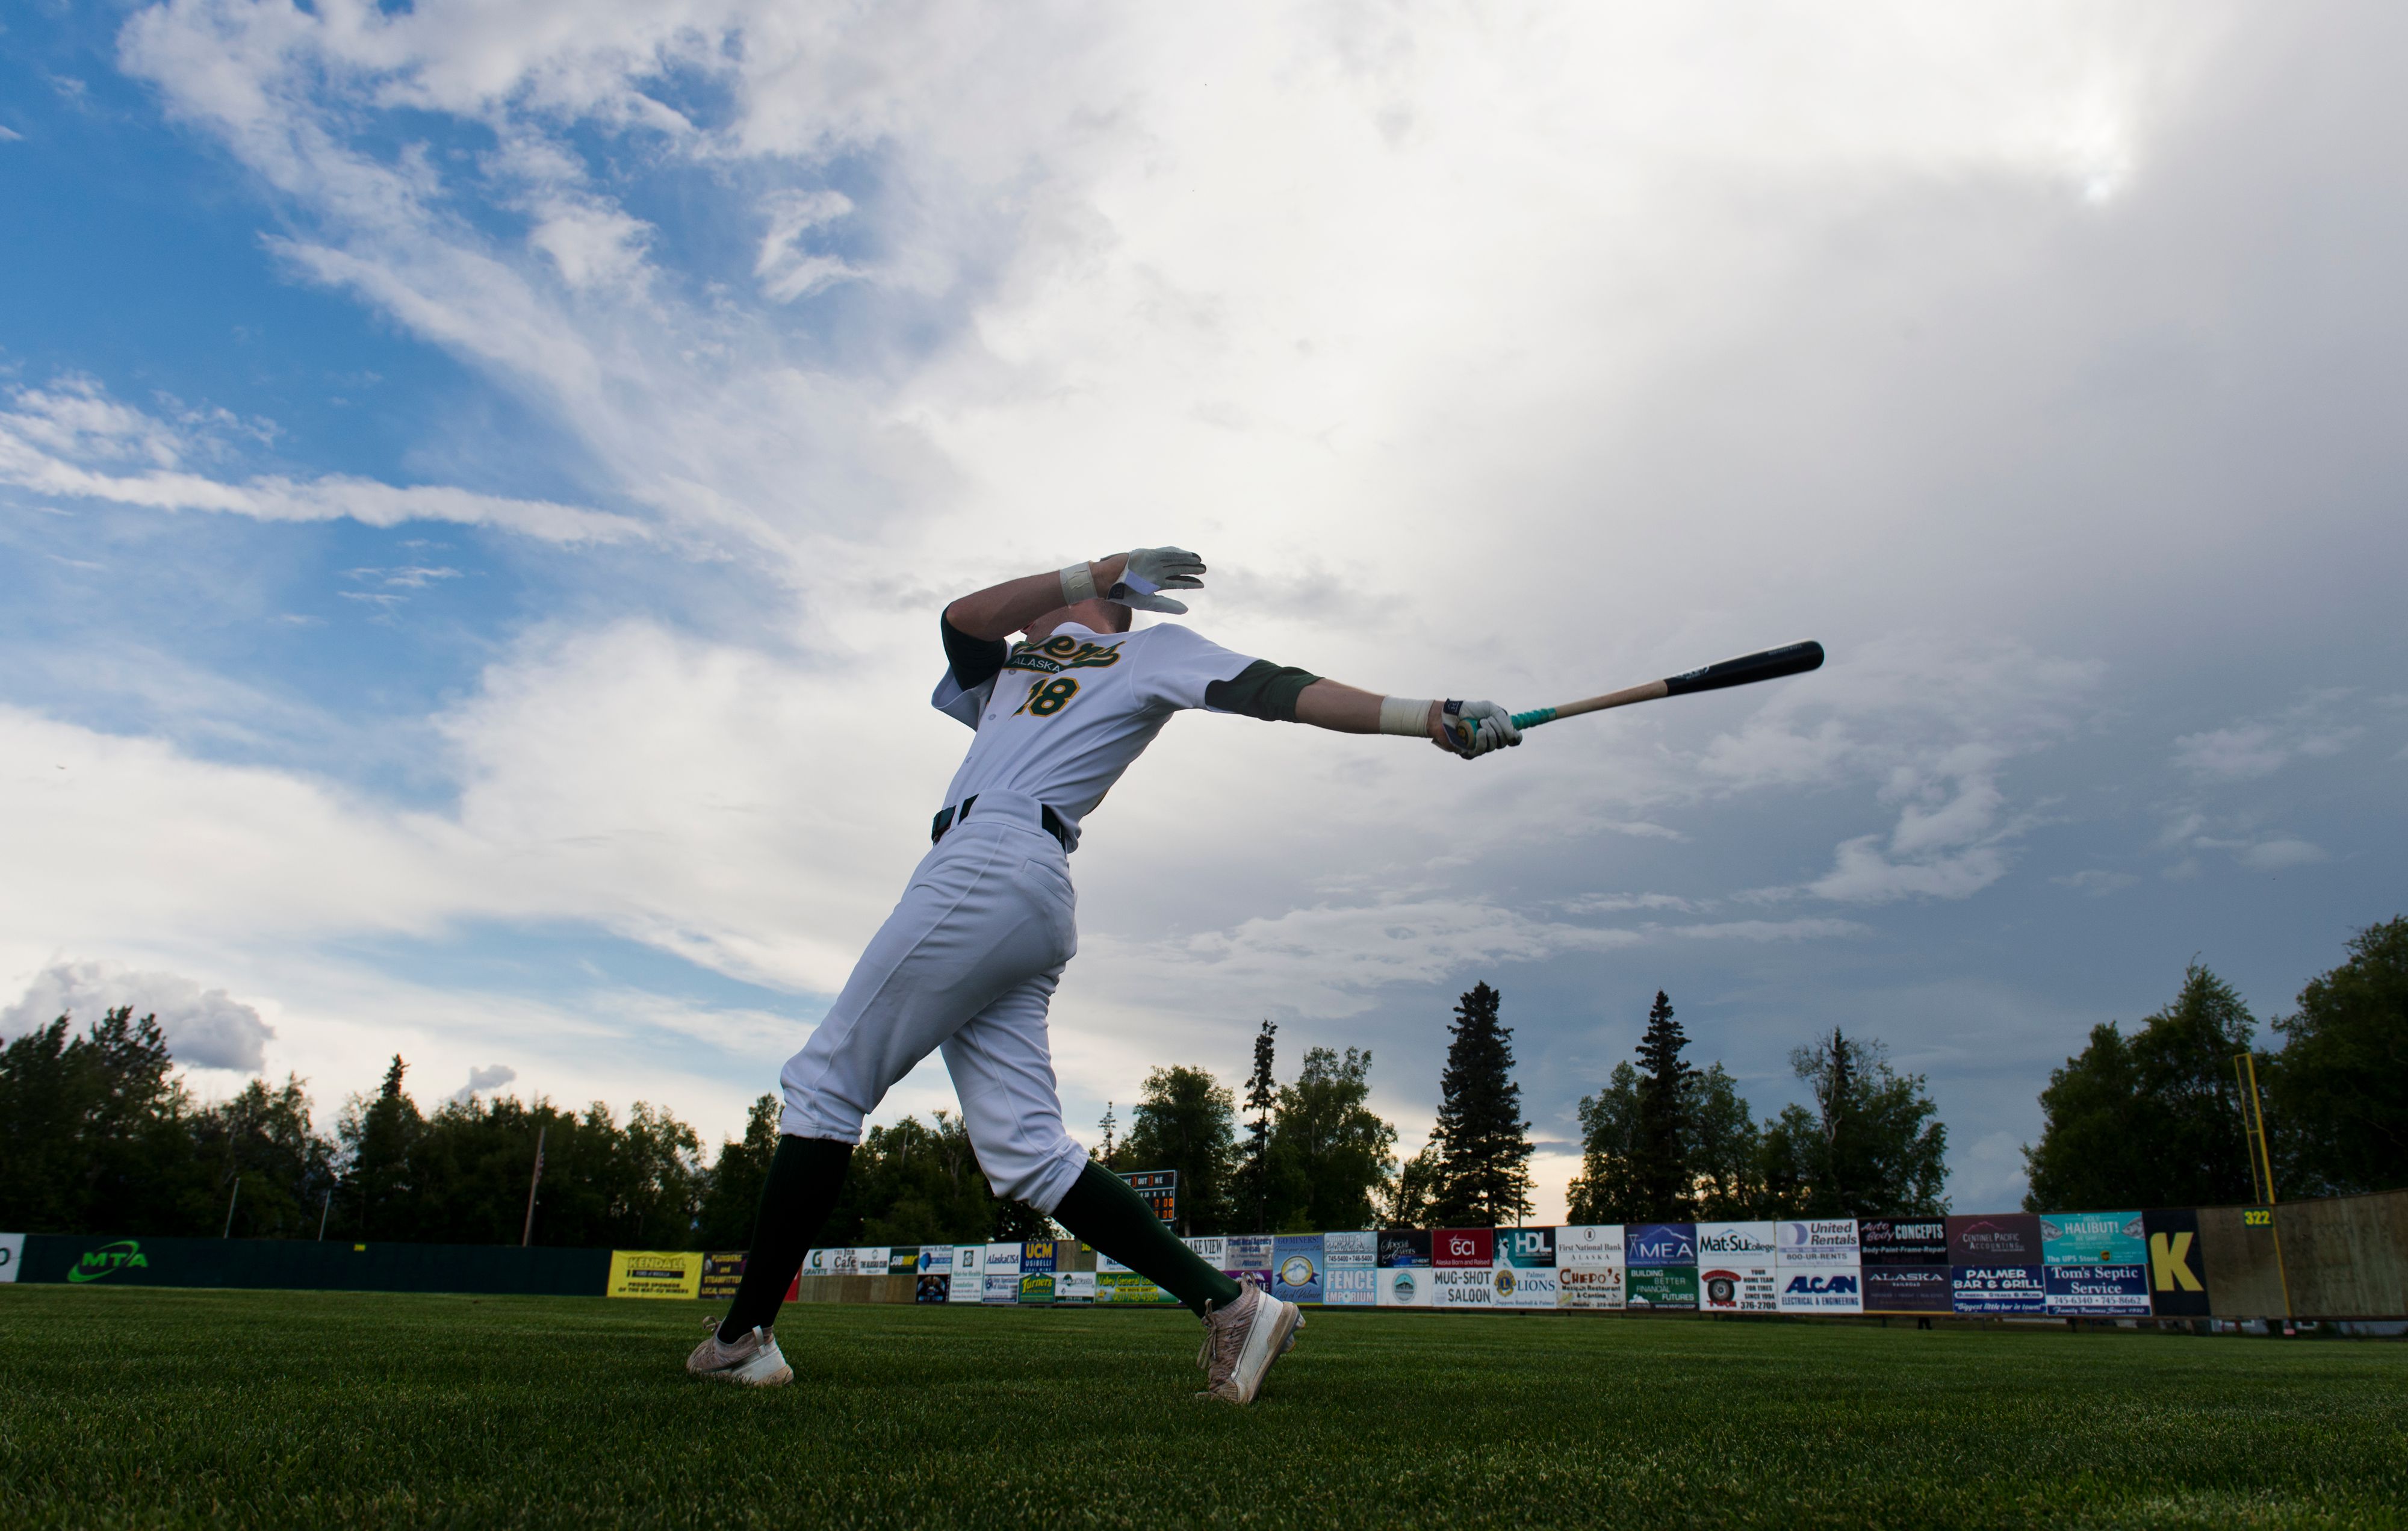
(137, 1408)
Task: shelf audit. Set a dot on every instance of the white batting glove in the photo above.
(1153, 569)
(1473, 729)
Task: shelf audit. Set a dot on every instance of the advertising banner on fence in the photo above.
(720, 1273)
(1590, 1245)
(1735, 1244)
(1997, 1289)
(1002, 1273)
(1249, 1255)
(1400, 1247)
(655, 1273)
(1525, 1264)
(1348, 1277)
(1908, 1289)
(1821, 1289)
(1074, 1286)
(1463, 1286)
(2177, 1271)
(1037, 1260)
(969, 1274)
(2097, 1290)
(1588, 1286)
(1213, 1251)
(1524, 1286)
(1817, 1241)
(1651, 1244)
(1295, 1267)
(1463, 1249)
(936, 1260)
(1902, 1241)
(873, 1261)
(827, 1262)
(1128, 1289)
(1734, 1267)
(934, 1286)
(1995, 1239)
(1660, 1287)
(1737, 1289)
(1403, 1286)
(904, 1260)
(2093, 1238)
(12, 1255)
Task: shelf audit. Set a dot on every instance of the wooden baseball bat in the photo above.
(1790, 659)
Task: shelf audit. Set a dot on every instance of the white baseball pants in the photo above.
(967, 963)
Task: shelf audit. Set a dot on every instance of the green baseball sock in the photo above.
(805, 1175)
(1101, 1209)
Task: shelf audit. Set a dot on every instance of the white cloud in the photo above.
(2250, 751)
(491, 1077)
(2096, 881)
(52, 440)
(2276, 854)
(204, 1028)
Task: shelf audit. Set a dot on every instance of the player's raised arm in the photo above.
(1130, 578)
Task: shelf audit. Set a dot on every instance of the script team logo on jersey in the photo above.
(1062, 653)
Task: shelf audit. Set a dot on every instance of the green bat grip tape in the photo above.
(1532, 720)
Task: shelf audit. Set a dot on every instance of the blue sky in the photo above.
(475, 483)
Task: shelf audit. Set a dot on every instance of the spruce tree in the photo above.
(1262, 1098)
(1485, 1145)
(1659, 1151)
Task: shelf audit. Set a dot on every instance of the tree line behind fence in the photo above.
(99, 1134)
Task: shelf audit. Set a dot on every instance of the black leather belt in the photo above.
(947, 818)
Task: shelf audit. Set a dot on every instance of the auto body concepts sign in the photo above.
(1905, 1265)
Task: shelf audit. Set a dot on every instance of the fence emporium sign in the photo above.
(1349, 1271)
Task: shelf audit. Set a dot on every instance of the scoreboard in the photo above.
(1160, 1189)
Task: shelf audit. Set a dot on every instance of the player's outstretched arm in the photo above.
(1468, 729)
(1134, 578)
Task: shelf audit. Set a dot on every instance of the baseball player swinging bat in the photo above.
(967, 963)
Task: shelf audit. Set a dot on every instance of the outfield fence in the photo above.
(2338, 1258)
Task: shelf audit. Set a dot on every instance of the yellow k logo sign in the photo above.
(2170, 1264)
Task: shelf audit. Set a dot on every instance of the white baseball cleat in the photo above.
(1242, 1340)
(752, 1359)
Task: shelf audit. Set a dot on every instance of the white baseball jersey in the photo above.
(1065, 717)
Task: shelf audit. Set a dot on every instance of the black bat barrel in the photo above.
(1791, 659)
